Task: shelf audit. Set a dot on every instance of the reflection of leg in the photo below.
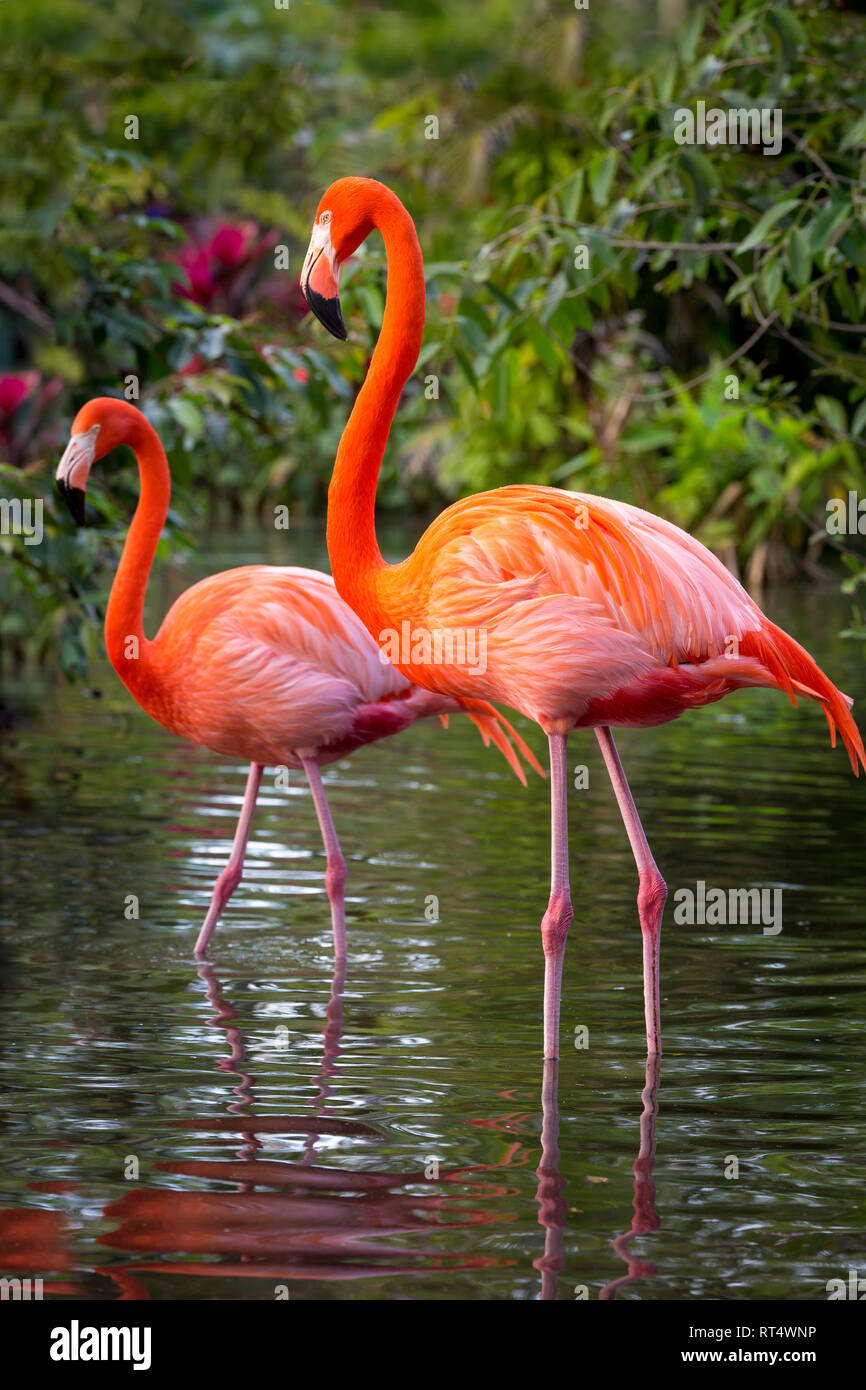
(231, 874)
(651, 893)
(548, 1194)
(335, 871)
(645, 1218)
(332, 1037)
(557, 918)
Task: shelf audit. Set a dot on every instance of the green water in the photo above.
(258, 1129)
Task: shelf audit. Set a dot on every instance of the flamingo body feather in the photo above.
(595, 612)
(585, 611)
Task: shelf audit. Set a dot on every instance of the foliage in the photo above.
(154, 258)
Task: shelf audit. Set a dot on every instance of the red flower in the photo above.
(218, 266)
(13, 390)
(19, 435)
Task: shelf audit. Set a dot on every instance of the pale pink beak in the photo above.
(73, 471)
(320, 281)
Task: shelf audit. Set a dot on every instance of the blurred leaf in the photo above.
(766, 222)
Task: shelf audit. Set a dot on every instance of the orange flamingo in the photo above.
(593, 613)
(260, 662)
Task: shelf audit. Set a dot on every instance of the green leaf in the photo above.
(739, 288)
(543, 346)
(837, 210)
(799, 257)
(568, 316)
(765, 223)
(469, 308)
(770, 281)
(570, 195)
(468, 369)
(601, 174)
(702, 173)
(600, 246)
(504, 299)
(433, 269)
(689, 35)
(428, 350)
(855, 135)
(852, 248)
(500, 389)
(373, 305)
(833, 412)
(789, 31)
(188, 416)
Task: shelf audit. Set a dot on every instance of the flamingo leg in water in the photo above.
(557, 918)
(231, 874)
(335, 872)
(651, 893)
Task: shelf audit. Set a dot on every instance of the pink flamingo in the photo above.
(260, 662)
(593, 612)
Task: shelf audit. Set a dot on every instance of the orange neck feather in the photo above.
(352, 546)
(128, 649)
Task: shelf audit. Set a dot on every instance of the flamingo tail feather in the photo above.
(793, 670)
(495, 728)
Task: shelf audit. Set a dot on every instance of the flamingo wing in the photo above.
(266, 662)
(595, 612)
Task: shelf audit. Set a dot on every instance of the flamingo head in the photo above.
(99, 427)
(320, 276)
(345, 217)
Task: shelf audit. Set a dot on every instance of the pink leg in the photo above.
(231, 874)
(651, 893)
(335, 873)
(557, 918)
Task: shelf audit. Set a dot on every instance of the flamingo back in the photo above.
(594, 612)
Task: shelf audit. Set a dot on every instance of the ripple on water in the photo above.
(178, 1131)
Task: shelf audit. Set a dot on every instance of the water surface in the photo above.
(259, 1128)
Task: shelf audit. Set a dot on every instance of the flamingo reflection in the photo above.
(551, 1203)
(32, 1239)
(303, 1220)
(300, 1220)
(645, 1217)
(549, 1193)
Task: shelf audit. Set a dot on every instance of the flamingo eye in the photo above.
(324, 219)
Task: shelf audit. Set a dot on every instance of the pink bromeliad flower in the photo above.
(218, 267)
(18, 433)
(14, 388)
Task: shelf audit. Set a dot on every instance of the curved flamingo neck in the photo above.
(352, 546)
(128, 649)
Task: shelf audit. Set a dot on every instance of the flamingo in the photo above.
(261, 662)
(594, 613)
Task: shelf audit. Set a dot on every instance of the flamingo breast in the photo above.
(264, 662)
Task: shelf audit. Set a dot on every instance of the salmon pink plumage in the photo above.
(260, 662)
(593, 613)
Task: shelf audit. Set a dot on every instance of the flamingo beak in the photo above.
(320, 282)
(73, 470)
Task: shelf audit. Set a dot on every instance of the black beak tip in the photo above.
(327, 311)
(74, 499)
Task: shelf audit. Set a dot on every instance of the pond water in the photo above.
(259, 1128)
